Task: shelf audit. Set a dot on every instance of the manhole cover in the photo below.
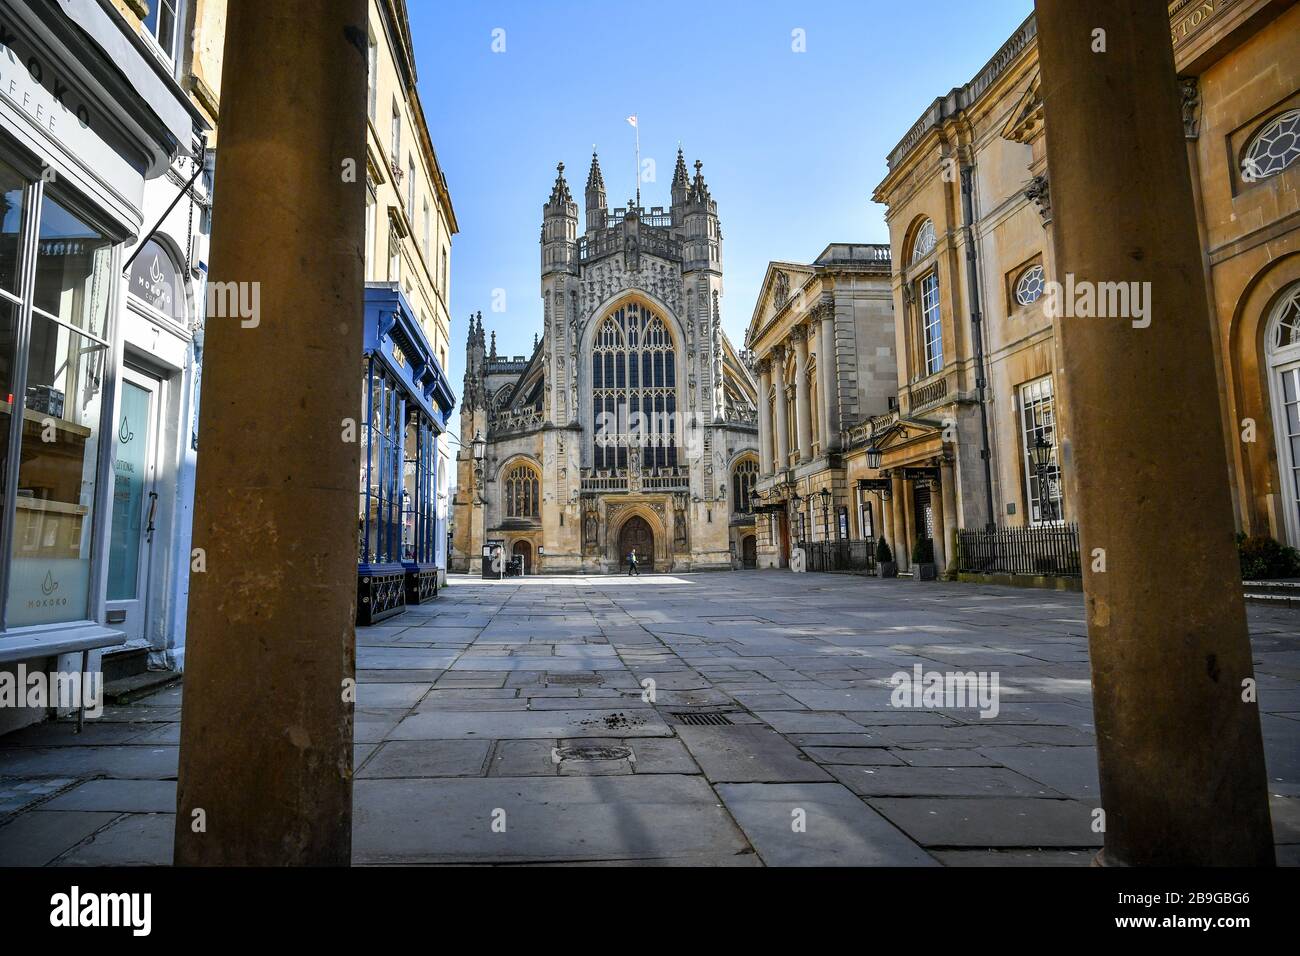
(590, 753)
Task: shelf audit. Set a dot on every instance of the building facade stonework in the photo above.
(633, 422)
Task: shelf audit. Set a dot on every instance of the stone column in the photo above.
(1180, 752)
(828, 370)
(266, 726)
(948, 495)
(802, 400)
(764, 417)
(885, 523)
(782, 426)
(902, 553)
(939, 538)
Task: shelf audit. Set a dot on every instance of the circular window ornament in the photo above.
(1030, 285)
(925, 241)
(1273, 149)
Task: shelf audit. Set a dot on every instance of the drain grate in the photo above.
(695, 719)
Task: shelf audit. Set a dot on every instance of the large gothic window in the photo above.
(742, 484)
(633, 390)
(522, 492)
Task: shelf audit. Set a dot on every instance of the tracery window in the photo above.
(924, 242)
(742, 483)
(522, 492)
(1287, 312)
(633, 390)
(1030, 285)
(1274, 148)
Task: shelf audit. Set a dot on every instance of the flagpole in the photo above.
(638, 163)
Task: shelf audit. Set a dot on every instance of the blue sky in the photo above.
(792, 143)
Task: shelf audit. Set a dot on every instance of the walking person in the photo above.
(631, 564)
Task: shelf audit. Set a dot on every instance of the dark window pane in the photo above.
(72, 269)
(11, 223)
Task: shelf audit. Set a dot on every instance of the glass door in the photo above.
(135, 502)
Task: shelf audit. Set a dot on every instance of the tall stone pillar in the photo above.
(764, 418)
(948, 495)
(1180, 751)
(802, 399)
(902, 552)
(939, 539)
(266, 728)
(828, 373)
(886, 525)
(782, 426)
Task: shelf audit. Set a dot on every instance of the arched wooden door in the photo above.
(525, 549)
(749, 552)
(636, 534)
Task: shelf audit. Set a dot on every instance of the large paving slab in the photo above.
(545, 820)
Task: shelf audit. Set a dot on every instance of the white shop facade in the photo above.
(86, 121)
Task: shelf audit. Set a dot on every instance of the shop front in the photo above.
(406, 403)
(84, 122)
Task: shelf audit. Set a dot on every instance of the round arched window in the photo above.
(924, 241)
(1030, 285)
(1274, 148)
(156, 280)
(1286, 320)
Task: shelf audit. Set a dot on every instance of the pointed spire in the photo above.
(493, 354)
(594, 178)
(534, 341)
(560, 191)
(699, 189)
(679, 172)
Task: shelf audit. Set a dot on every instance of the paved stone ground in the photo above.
(520, 703)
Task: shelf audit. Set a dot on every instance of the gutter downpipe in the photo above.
(977, 331)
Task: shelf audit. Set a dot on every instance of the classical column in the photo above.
(902, 553)
(1178, 735)
(764, 417)
(802, 400)
(828, 371)
(265, 772)
(939, 539)
(782, 426)
(886, 525)
(948, 496)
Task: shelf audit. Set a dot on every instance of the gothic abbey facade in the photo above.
(633, 424)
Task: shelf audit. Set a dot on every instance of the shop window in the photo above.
(1274, 148)
(64, 323)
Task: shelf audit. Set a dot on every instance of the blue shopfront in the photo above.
(406, 404)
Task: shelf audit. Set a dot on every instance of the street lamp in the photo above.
(1041, 454)
(478, 447)
(874, 455)
(753, 500)
(825, 496)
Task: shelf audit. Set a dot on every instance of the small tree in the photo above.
(883, 551)
(923, 553)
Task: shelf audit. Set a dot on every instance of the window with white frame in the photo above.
(426, 230)
(161, 22)
(372, 78)
(410, 187)
(395, 143)
(1045, 493)
(931, 324)
(1274, 148)
(924, 242)
(1030, 285)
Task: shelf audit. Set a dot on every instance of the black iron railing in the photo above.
(851, 556)
(1051, 550)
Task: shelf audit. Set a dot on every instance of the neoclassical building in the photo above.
(822, 337)
(968, 198)
(633, 423)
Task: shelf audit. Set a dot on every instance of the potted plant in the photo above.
(923, 559)
(885, 564)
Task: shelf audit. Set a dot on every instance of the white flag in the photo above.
(632, 119)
